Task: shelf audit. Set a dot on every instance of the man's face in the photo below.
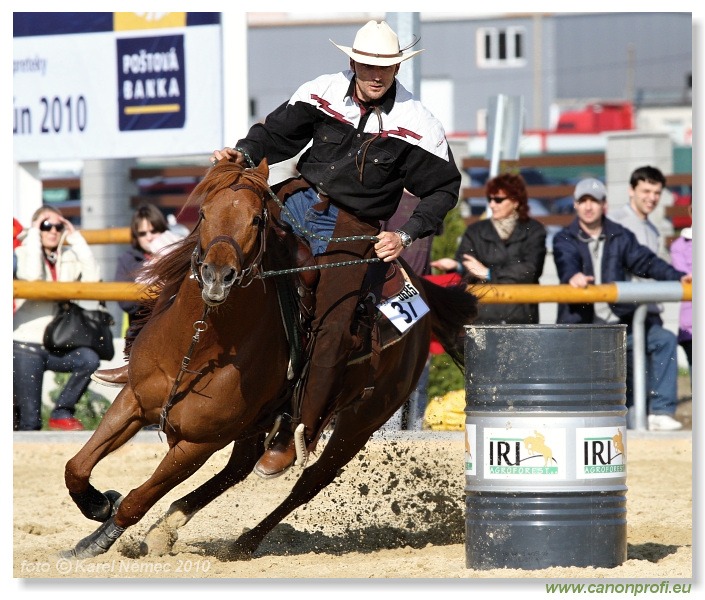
(644, 197)
(371, 81)
(589, 211)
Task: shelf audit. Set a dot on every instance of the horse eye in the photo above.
(257, 221)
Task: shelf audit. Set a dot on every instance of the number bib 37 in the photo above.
(404, 309)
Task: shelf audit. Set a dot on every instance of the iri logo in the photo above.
(525, 454)
(601, 452)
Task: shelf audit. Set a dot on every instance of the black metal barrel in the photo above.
(545, 446)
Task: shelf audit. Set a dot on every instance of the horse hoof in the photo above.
(159, 541)
(97, 506)
(244, 547)
(97, 543)
(115, 498)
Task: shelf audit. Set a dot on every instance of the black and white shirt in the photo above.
(409, 151)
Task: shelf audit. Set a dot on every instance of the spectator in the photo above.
(149, 232)
(646, 184)
(151, 235)
(593, 249)
(509, 247)
(42, 257)
(682, 259)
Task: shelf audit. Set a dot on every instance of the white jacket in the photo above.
(74, 263)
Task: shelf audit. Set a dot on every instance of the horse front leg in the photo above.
(181, 461)
(120, 424)
(162, 536)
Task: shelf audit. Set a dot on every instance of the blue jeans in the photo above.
(661, 370)
(320, 222)
(29, 362)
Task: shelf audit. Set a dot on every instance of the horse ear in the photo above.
(263, 168)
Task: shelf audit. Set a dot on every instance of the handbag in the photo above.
(75, 327)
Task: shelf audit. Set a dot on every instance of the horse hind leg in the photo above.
(347, 440)
(162, 536)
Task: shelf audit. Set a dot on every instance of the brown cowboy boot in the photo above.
(280, 455)
(116, 377)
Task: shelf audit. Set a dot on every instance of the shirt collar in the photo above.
(386, 103)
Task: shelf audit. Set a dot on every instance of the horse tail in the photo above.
(452, 308)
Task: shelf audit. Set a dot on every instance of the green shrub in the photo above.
(444, 376)
(90, 408)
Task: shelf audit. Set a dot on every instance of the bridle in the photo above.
(253, 270)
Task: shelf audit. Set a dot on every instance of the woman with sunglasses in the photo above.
(43, 257)
(152, 234)
(509, 247)
(146, 232)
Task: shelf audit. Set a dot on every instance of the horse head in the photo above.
(231, 229)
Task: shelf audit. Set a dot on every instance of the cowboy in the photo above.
(370, 140)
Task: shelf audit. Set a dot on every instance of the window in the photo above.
(500, 47)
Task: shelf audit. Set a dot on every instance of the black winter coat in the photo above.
(622, 255)
(519, 259)
(129, 263)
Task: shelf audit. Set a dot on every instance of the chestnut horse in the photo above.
(211, 364)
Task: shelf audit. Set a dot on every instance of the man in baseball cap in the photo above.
(590, 187)
(596, 250)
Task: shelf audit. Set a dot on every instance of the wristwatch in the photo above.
(405, 238)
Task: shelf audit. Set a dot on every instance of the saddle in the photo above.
(297, 300)
(382, 281)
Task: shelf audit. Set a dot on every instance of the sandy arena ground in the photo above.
(397, 511)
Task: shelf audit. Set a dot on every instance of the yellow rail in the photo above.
(115, 235)
(60, 290)
(488, 294)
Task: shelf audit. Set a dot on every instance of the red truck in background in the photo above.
(597, 117)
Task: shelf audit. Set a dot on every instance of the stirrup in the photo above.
(302, 453)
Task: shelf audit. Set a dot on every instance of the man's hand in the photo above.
(687, 278)
(229, 154)
(389, 246)
(580, 280)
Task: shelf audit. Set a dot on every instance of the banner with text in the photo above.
(117, 85)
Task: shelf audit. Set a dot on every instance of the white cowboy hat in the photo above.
(377, 44)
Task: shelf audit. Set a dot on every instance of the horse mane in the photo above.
(165, 275)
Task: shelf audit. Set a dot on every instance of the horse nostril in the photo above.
(229, 277)
(206, 273)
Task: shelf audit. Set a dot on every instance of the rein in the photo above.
(199, 326)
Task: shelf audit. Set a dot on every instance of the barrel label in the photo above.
(600, 452)
(470, 449)
(528, 454)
